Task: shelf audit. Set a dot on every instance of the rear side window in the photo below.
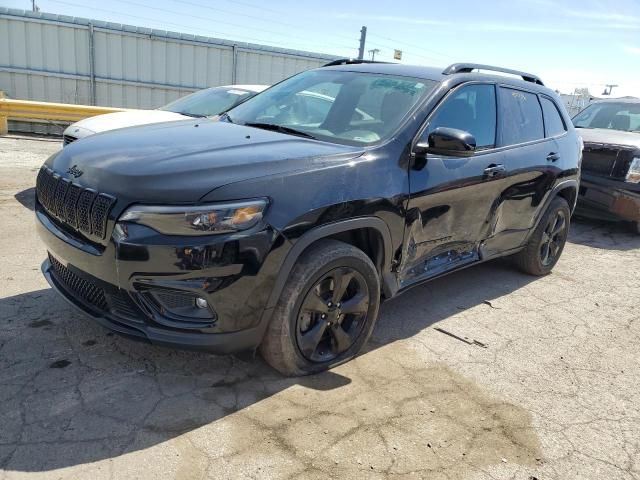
(473, 109)
(553, 123)
(521, 117)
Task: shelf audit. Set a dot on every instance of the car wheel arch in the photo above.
(381, 252)
(567, 189)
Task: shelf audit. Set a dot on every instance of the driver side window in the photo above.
(472, 109)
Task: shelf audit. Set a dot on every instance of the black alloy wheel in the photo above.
(332, 315)
(326, 311)
(546, 243)
(553, 238)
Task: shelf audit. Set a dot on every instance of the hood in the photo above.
(111, 121)
(180, 162)
(609, 136)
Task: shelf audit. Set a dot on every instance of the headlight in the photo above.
(200, 220)
(633, 175)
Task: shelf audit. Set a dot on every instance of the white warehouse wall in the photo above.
(47, 57)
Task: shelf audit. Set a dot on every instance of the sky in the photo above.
(569, 44)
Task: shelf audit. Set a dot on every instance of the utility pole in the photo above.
(608, 88)
(373, 53)
(363, 39)
(34, 7)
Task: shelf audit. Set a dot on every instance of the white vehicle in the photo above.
(204, 103)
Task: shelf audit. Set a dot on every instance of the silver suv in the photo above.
(610, 181)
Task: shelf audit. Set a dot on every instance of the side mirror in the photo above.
(447, 141)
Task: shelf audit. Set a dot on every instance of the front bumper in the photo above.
(114, 283)
(608, 199)
(221, 343)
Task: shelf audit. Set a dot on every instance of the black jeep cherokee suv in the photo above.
(283, 225)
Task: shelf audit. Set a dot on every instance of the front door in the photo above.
(451, 198)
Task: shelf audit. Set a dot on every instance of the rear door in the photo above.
(451, 197)
(555, 129)
(531, 159)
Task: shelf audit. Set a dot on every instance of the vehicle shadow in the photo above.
(73, 393)
(27, 198)
(603, 235)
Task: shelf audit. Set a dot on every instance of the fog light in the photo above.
(201, 302)
(179, 306)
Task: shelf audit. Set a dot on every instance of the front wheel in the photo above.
(326, 312)
(546, 244)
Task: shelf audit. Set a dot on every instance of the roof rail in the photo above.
(350, 61)
(469, 67)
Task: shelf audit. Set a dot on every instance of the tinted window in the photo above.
(317, 107)
(352, 108)
(521, 116)
(552, 120)
(472, 109)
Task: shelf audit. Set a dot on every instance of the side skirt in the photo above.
(407, 285)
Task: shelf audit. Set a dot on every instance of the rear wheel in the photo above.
(326, 311)
(547, 241)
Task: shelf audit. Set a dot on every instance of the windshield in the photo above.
(208, 102)
(342, 107)
(615, 116)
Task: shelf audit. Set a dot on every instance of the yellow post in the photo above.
(4, 121)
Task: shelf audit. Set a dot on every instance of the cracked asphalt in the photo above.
(554, 395)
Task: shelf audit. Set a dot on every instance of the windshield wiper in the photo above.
(280, 128)
(194, 115)
(225, 117)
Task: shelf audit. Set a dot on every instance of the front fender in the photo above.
(388, 279)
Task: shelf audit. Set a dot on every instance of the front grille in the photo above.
(173, 300)
(107, 299)
(82, 209)
(606, 160)
(99, 214)
(67, 139)
(122, 306)
(85, 289)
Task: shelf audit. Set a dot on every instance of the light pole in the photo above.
(363, 39)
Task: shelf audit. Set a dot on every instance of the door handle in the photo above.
(494, 170)
(552, 157)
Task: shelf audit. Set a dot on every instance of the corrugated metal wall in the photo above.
(48, 58)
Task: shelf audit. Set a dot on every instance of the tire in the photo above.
(298, 319)
(532, 258)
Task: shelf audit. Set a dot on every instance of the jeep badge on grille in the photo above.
(75, 171)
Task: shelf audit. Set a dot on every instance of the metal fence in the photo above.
(56, 58)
